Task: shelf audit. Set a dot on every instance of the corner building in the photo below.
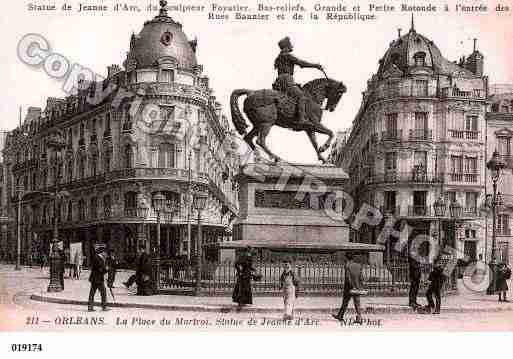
(419, 134)
(118, 154)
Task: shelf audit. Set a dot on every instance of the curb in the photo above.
(234, 309)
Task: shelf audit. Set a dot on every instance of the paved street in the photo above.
(19, 312)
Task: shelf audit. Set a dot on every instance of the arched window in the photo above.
(81, 167)
(128, 156)
(34, 181)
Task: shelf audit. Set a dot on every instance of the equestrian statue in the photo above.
(288, 104)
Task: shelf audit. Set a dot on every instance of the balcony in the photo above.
(421, 135)
(390, 210)
(392, 135)
(131, 212)
(471, 212)
(405, 177)
(464, 134)
(455, 92)
(508, 160)
(503, 231)
(464, 177)
(419, 211)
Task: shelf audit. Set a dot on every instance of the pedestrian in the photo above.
(97, 277)
(436, 280)
(133, 278)
(77, 264)
(503, 275)
(415, 275)
(43, 260)
(242, 294)
(144, 275)
(288, 285)
(112, 265)
(353, 288)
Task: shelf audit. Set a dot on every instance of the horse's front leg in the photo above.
(313, 139)
(320, 128)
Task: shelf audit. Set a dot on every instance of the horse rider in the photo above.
(284, 64)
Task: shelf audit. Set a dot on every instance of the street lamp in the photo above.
(494, 165)
(159, 201)
(199, 202)
(55, 144)
(440, 208)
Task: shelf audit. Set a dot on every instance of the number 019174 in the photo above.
(26, 347)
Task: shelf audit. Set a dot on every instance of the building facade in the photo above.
(152, 126)
(4, 218)
(419, 135)
(499, 135)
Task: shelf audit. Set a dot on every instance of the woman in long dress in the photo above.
(242, 293)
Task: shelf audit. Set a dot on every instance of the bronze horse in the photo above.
(266, 108)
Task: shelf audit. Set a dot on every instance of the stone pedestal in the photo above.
(291, 208)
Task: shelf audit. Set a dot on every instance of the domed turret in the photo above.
(161, 39)
(414, 50)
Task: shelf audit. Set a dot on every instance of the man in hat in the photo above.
(284, 64)
(97, 277)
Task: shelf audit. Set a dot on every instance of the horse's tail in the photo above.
(237, 118)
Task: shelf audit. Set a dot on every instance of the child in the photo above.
(288, 285)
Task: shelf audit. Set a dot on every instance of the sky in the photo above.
(238, 54)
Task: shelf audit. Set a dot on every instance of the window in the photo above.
(198, 160)
(94, 165)
(419, 203)
(503, 224)
(94, 207)
(70, 211)
(470, 249)
(106, 161)
(504, 146)
(420, 58)
(81, 210)
(390, 161)
(470, 165)
(450, 197)
(70, 171)
(421, 88)
(166, 155)
(107, 123)
(421, 121)
(167, 76)
(81, 168)
(471, 201)
(34, 181)
(128, 156)
(391, 123)
(390, 201)
(107, 205)
(456, 164)
(81, 130)
(471, 123)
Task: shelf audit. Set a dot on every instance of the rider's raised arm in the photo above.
(302, 63)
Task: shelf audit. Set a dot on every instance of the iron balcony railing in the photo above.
(405, 177)
(391, 210)
(471, 212)
(421, 135)
(392, 135)
(419, 211)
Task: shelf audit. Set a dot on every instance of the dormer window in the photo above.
(420, 58)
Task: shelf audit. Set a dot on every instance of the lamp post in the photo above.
(440, 209)
(456, 211)
(159, 202)
(18, 230)
(494, 165)
(55, 144)
(200, 201)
